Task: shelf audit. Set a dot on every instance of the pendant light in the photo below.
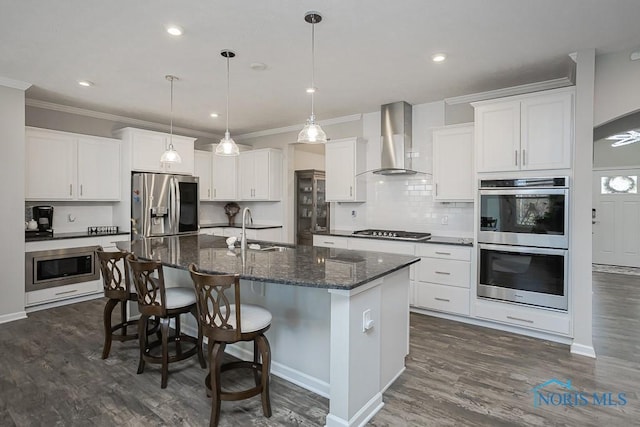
(312, 133)
(227, 146)
(171, 155)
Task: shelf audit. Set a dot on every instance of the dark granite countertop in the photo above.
(73, 235)
(248, 226)
(442, 240)
(308, 266)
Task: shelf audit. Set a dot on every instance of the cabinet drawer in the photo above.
(330, 241)
(445, 272)
(527, 317)
(461, 253)
(442, 298)
(400, 248)
(62, 292)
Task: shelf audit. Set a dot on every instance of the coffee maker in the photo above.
(43, 215)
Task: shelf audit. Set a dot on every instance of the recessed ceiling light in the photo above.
(85, 83)
(214, 115)
(311, 90)
(438, 57)
(174, 30)
(258, 66)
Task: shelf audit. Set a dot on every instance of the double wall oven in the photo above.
(523, 241)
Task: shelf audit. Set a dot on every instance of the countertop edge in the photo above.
(434, 240)
(250, 227)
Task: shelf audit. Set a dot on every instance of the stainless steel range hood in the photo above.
(396, 154)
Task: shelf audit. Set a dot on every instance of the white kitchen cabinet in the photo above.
(202, 167)
(145, 147)
(330, 241)
(528, 132)
(453, 168)
(224, 177)
(443, 278)
(261, 174)
(68, 166)
(523, 316)
(345, 159)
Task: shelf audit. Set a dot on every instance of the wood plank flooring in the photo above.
(51, 374)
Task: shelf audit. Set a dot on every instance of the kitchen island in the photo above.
(340, 322)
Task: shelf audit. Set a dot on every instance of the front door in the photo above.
(616, 217)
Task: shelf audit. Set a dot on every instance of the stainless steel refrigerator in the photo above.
(163, 204)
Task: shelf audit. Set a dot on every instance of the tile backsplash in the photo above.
(405, 203)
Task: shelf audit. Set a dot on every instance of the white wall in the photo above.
(12, 175)
(405, 202)
(616, 86)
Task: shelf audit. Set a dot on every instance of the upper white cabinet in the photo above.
(261, 174)
(224, 178)
(67, 166)
(453, 167)
(344, 160)
(202, 169)
(146, 147)
(528, 132)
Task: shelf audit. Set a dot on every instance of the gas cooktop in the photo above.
(393, 234)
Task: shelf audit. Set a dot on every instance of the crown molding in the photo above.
(14, 84)
(295, 128)
(116, 118)
(510, 91)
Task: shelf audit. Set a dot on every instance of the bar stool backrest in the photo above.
(116, 284)
(215, 306)
(148, 278)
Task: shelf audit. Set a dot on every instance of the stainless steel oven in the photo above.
(57, 267)
(522, 274)
(526, 212)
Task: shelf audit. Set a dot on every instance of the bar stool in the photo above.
(225, 323)
(117, 288)
(154, 299)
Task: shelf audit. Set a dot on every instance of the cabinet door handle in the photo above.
(81, 189)
(442, 299)
(443, 272)
(66, 292)
(443, 253)
(329, 243)
(350, 191)
(71, 189)
(208, 192)
(519, 319)
(516, 157)
(523, 157)
(214, 193)
(436, 188)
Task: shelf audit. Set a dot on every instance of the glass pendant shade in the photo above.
(227, 146)
(312, 133)
(171, 156)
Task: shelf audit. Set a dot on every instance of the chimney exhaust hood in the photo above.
(396, 154)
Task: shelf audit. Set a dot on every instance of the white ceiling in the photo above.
(368, 52)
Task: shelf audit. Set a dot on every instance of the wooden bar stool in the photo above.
(154, 299)
(117, 288)
(225, 323)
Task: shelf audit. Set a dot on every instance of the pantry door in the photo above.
(616, 217)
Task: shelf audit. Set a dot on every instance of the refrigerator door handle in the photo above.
(176, 189)
(172, 206)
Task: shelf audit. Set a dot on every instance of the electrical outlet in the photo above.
(354, 214)
(444, 220)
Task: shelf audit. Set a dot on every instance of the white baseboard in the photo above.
(294, 376)
(583, 350)
(6, 318)
(361, 417)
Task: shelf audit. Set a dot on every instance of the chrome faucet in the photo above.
(243, 236)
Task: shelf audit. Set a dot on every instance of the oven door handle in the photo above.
(523, 249)
(527, 191)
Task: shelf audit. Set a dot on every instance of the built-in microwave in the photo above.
(525, 211)
(525, 275)
(57, 267)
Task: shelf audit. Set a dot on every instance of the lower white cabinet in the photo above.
(519, 315)
(443, 278)
(62, 292)
(330, 241)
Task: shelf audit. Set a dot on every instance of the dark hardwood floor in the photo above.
(51, 374)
